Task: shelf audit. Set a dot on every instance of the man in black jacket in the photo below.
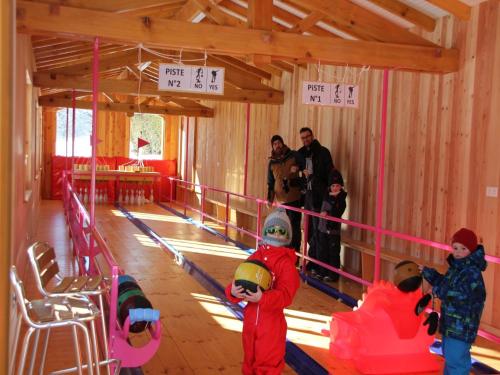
(318, 166)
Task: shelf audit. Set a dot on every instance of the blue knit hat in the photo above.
(277, 230)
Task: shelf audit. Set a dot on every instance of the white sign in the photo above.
(351, 94)
(316, 93)
(191, 78)
(332, 94)
(215, 80)
(337, 94)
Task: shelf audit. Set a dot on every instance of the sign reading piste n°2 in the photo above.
(190, 78)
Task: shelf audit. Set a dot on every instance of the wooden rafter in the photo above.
(188, 12)
(117, 6)
(243, 66)
(38, 19)
(455, 7)
(237, 75)
(148, 88)
(306, 23)
(215, 14)
(408, 13)
(352, 15)
(260, 17)
(127, 107)
(163, 10)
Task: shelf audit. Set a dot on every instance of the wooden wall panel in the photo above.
(441, 152)
(6, 113)
(26, 194)
(49, 148)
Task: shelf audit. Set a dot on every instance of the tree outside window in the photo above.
(83, 130)
(150, 128)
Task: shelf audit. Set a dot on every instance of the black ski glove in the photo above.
(422, 303)
(432, 320)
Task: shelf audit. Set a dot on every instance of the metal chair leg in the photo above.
(96, 351)
(34, 352)
(87, 345)
(24, 350)
(104, 334)
(77, 351)
(44, 352)
(17, 331)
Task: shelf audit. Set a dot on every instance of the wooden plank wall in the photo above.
(442, 143)
(6, 64)
(114, 132)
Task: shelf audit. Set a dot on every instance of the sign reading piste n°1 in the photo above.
(190, 78)
(330, 94)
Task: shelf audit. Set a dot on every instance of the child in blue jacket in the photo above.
(462, 294)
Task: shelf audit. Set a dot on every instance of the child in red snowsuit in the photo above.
(264, 325)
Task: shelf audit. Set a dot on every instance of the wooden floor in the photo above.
(200, 336)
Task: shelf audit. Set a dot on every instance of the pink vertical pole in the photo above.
(171, 191)
(186, 164)
(227, 214)
(187, 150)
(259, 221)
(95, 86)
(381, 171)
(304, 248)
(203, 192)
(73, 127)
(247, 141)
(67, 126)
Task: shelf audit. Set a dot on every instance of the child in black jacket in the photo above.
(334, 204)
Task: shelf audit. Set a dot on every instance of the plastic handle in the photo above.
(143, 315)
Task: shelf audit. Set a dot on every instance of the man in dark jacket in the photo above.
(318, 166)
(283, 183)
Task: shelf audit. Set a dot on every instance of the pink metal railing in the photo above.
(304, 250)
(79, 224)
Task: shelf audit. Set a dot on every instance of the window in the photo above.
(151, 129)
(83, 130)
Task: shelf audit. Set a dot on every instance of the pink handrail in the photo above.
(79, 224)
(371, 228)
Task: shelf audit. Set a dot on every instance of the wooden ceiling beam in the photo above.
(261, 73)
(185, 103)
(243, 12)
(215, 14)
(188, 12)
(67, 58)
(106, 62)
(37, 18)
(239, 76)
(162, 11)
(307, 23)
(260, 17)
(455, 7)
(127, 107)
(356, 17)
(148, 88)
(117, 6)
(408, 13)
(66, 94)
